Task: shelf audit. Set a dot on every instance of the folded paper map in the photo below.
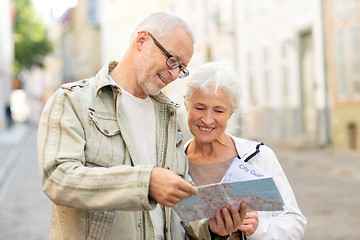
(260, 193)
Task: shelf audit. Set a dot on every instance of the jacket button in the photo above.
(106, 131)
(168, 168)
(172, 113)
(139, 225)
(166, 229)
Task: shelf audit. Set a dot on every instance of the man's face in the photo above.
(153, 73)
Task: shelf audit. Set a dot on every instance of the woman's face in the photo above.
(208, 114)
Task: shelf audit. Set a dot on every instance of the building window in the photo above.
(344, 9)
(340, 63)
(355, 57)
(285, 81)
(267, 86)
(249, 62)
(266, 74)
(93, 13)
(285, 68)
(347, 62)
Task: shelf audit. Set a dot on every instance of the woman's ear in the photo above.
(232, 112)
(185, 103)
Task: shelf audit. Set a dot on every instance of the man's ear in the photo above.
(140, 39)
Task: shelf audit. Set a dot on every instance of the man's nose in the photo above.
(174, 72)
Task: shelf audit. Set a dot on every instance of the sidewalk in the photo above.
(10, 140)
(26, 211)
(325, 160)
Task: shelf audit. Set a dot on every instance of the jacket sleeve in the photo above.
(289, 224)
(67, 181)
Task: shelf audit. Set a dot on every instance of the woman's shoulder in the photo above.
(247, 147)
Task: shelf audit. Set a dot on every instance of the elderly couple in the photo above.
(112, 157)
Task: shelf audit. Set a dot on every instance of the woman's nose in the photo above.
(207, 119)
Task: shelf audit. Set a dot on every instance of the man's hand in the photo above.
(167, 188)
(229, 222)
(250, 223)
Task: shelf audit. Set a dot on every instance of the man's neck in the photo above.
(126, 79)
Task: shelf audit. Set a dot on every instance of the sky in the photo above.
(58, 7)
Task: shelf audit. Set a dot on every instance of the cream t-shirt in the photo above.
(142, 120)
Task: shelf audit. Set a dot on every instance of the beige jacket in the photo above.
(90, 169)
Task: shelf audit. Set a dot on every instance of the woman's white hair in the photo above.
(219, 75)
(161, 24)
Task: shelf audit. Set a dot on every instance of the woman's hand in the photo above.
(250, 223)
(229, 221)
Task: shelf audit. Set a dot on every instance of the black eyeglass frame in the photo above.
(172, 62)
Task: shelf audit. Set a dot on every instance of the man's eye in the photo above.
(199, 108)
(173, 61)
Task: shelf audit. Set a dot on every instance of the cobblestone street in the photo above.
(327, 189)
(326, 186)
(26, 211)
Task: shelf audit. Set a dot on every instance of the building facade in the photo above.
(298, 60)
(281, 60)
(342, 30)
(81, 41)
(7, 56)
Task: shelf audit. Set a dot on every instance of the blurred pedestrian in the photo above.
(110, 152)
(9, 119)
(212, 95)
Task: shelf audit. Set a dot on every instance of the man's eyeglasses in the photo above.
(172, 61)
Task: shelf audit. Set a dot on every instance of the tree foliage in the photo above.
(31, 41)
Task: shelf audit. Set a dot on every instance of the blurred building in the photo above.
(81, 49)
(117, 21)
(54, 63)
(77, 46)
(342, 29)
(76, 38)
(281, 60)
(6, 56)
(298, 60)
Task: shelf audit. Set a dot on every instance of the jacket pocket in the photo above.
(106, 123)
(99, 225)
(105, 146)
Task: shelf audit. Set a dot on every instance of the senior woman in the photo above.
(212, 95)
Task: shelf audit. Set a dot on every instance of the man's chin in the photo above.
(152, 91)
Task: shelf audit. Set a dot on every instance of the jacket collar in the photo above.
(103, 80)
(246, 149)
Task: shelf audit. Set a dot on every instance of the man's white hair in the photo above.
(161, 24)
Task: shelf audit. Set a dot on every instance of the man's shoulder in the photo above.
(78, 85)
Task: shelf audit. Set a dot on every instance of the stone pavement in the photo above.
(10, 139)
(325, 160)
(25, 210)
(326, 185)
